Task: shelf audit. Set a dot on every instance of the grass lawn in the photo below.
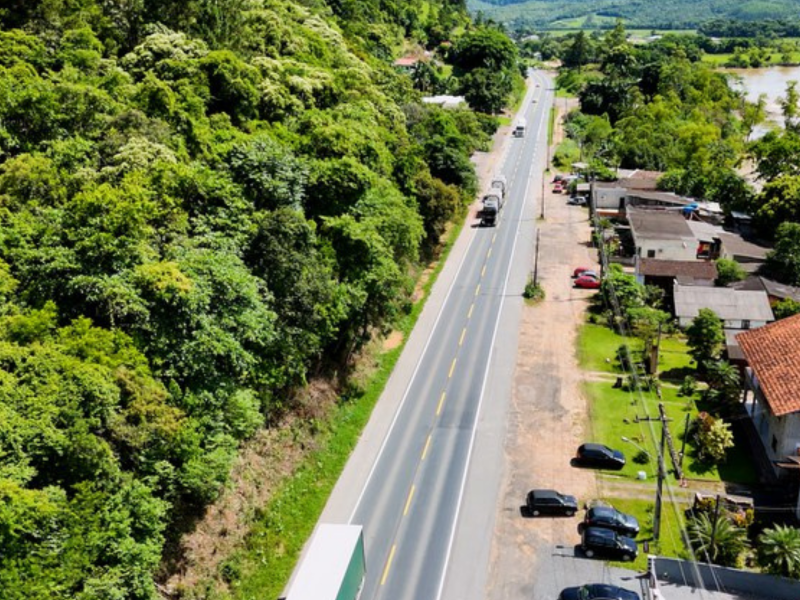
(597, 351)
(613, 416)
(670, 540)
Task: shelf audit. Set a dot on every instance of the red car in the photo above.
(581, 270)
(589, 283)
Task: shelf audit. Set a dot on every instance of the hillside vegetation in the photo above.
(202, 202)
(667, 14)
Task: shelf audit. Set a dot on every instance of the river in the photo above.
(769, 81)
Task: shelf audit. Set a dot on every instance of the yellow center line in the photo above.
(388, 564)
(425, 449)
(452, 368)
(439, 408)
(471, 308)
(408, 501)
(488, 254)
(478, 289)
(483, 271)
(463, 333)
(494, 237)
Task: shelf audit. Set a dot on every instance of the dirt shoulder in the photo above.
(548, 412)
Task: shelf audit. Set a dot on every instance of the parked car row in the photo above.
(605, 531)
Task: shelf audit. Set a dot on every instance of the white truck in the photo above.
(499, 181)
(332, 567)
(520, 127)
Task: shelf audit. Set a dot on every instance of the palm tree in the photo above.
(721, 545)
(779, 550)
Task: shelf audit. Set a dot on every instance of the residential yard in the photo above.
(617, 412)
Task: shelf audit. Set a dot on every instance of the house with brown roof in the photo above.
(665, 274)
(772, 393)
(775, 291)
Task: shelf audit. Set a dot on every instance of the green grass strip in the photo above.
(262, 569)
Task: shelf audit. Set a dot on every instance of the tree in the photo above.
(705, 337)
(486, 90)
(783, 262)
(786, 308)
(713, 437)
(721, 543)
(578, 53)
(729, 271)
(778, 550)
(724, 382)
(485, 48)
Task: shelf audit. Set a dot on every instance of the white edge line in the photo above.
(483, 389)
(410, 382)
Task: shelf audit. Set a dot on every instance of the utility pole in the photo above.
(685, 435)
(660, 485)
(536, 260)
(714, 525)
(541, 214)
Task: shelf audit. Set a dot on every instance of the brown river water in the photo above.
(769, 81)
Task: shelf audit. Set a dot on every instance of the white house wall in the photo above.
(666, 249)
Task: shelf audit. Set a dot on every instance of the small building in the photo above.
(772, 388)
(407, 63)
(775, 291)
(738, 309)
(664, 274)
(444, 101)
(661, 234)
(714, 242)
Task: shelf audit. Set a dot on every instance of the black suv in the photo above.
(610, 518)
(605, 543)
(597, 456)
(597, 591)
(550, 502)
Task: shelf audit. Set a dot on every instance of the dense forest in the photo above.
(202, 202)
(664, 14)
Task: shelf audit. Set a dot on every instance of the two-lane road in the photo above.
(443, 440)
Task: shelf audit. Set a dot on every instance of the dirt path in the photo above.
(548, 412)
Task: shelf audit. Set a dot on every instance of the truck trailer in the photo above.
(492, 204)
(333, 566)
(520, 127)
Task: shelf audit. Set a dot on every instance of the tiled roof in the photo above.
(773, 352)
(699, 269)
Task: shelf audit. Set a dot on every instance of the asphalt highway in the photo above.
(413, 492)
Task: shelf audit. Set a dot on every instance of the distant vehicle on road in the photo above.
(588, 282)
(598, 456)
(604, 543)
(500, 182)
(597, 591)
(520, 127)
(551, 502)
(610, 518)
(577, 201)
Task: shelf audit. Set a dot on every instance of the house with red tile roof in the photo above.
(772, 394)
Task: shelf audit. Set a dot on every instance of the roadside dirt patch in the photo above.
(392, 341)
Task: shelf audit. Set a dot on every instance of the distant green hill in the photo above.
(671, 14)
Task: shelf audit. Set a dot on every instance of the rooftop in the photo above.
(773, 288)
(698, 269)
(773, 352)
(727, 303)
(659, 224)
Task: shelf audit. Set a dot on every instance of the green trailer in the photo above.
(332, 566)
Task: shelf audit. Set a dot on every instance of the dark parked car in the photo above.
(604, 543)
(551, 502)
(597, 456)
(597, 591)
(610, 518)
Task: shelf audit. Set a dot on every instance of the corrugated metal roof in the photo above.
(727, 303)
